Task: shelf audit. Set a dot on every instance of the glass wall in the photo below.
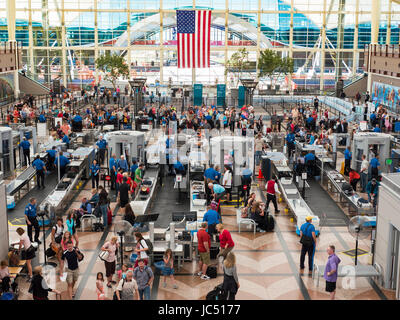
(63, 38)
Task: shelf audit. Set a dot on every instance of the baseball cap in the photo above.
(309, 218)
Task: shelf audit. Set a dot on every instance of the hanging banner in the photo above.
(197, 94)
(241, 96)
(221, 89)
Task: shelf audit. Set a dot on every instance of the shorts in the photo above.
(72, 275)
(330, 286)
(110, 268)
(168, 271)
(228, 191)
(205, 257)
(29, 254)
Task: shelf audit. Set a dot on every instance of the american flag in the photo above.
(193, 29)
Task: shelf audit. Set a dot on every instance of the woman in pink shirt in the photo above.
(225, 241)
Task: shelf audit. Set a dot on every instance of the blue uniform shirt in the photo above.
(113, 163)
(65, 139)
(179, 166)
(63, 161)
(290, 137)
(312, 139)
(211, 216)
(30, 211)
(133, 168)
(25, 144)
(94, 169)
(374, 163)
(42, 118)
(377, 129)
(52, 153)
(310, 229)
(77, 118)
(210, 173)
(372, 116)
(38, 164)
(102, 144)
(309, 156)
(347, 154)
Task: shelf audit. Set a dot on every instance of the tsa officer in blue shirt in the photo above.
(31, 220)
(52, 157)
(113, 166)
(374, 164)
(347, 160)
(25, 145)
(309, 160)
(65, 139)
(63, 163)
(308, 230)
(95, 173)
(212, 219)
(377, 129)
(290, 143)
(102, 145)
(40, 167)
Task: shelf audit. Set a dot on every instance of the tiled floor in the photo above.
(267, 264)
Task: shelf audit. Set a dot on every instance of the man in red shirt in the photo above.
(225, 241)
(354, 178)
(204, 245)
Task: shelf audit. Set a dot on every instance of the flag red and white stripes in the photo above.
(193, 32)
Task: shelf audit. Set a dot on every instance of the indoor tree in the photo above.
(113, 66)
(269, 63)
(237, 64)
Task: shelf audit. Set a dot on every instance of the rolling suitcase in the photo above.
(270, 223)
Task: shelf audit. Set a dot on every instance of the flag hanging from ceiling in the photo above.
(193, 30)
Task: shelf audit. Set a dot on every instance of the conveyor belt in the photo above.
(16, 185)
(164, 202)
(16, 215)
(321, 203)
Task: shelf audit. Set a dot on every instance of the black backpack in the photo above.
(217, 294)
(211, 272)
(149, 246)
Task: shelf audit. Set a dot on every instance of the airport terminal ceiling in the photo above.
(145, 33)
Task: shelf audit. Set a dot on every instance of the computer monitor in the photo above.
(190, 216)
(147, 218)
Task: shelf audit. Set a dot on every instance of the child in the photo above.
(168, 269)
(122, 272)
(100, 287)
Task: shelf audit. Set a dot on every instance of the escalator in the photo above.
(28, 85)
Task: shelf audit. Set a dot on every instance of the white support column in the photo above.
(194, 69)
(161, 43)
(12, 42)
(128, 41)
(355, 42)
(375, 19)
(389, 22)
(30, 34)
(226, 41)
(258, 37)
(96, 44)
(322, 52)
(291, 42)
(63, 50)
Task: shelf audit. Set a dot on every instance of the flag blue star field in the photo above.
(193, 30)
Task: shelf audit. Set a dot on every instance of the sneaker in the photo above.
(204, 277)
(38, 241)
(164, 285)
(29, 279)
(262, 231)
(175, 286)
(277, 211)
(199, 273)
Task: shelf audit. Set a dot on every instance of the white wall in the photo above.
(4, 242)
(388, 214)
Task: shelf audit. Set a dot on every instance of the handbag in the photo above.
(306, 240)
(103, 255)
